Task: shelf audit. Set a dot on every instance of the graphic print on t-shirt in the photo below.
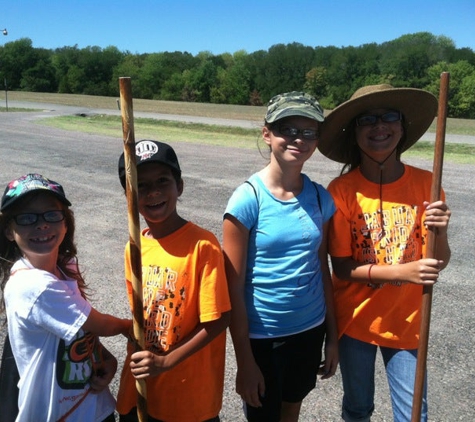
(75, 360)
(162, 305)
(393, 242)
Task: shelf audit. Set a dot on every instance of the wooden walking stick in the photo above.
(431, 249)
(134, 230)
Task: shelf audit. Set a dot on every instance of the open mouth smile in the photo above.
(156, 205)
(379, 138)
(44, 239)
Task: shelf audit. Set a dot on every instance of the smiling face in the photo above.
(381, 138)
(40, 241)
(288, 148)
(158, 193)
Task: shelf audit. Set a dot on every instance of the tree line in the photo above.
(330, 73)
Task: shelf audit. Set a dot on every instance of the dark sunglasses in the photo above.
(371, 119)
(27, 219)
(309, 134)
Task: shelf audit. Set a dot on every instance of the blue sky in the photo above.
(220, 26)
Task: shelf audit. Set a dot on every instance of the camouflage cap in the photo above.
(293, 103)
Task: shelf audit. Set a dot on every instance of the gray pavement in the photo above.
(86, 165)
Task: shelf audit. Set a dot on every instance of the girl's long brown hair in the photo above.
(10, 252)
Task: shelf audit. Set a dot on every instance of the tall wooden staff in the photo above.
(431, 249)
(134, 230)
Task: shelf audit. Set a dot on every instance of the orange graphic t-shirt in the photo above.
(383, 314)
(183, 283)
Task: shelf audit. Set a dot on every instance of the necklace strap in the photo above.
(381, 168)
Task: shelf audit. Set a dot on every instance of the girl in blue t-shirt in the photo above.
(274, 240)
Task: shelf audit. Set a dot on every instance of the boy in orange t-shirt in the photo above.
(185, 299)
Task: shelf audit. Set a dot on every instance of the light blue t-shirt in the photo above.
(284, 288)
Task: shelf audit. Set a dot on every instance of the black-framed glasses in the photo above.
(27, 219)
(371, 119)
(308, 134)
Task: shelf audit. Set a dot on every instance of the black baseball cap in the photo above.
(148, 151)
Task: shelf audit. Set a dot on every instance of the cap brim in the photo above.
(12, 201)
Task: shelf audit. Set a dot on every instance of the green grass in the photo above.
(224, 111)
(172, 131)
(163, 130)
(456, 126)
(457, 153)
(13, 109)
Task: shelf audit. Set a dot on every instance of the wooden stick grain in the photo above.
(431, 250)
(126, 107)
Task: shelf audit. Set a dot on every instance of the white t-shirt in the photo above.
(53, 354)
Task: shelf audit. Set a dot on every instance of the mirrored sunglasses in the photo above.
(371, 119)
(27, 219)
(309, 134)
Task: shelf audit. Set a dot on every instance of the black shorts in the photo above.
(132, 417)
(290, 366)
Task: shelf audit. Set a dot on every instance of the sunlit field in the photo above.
(173, 131)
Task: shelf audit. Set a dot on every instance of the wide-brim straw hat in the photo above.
(418, 107)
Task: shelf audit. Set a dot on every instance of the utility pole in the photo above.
(5, 32)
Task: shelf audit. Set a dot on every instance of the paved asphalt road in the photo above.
(87, 166)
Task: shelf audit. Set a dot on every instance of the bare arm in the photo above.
(147, 364)
(424, 271)
(331, 337)
(104, 372)
(106, 325)
(249, 380)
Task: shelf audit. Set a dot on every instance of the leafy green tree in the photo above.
(173, 64)
(316, 81)
(232, 83)
(17, 57)
(98, 65)
(158, 68)
(461, 98)
(342, 73)
(460, 54)
(62, 59)
(148, 82)
(93, 65)
(465, 100)
(130, 66)
(330, 73)
(40, 77)
(75, 79)
(173, 88)
(409, 56)
(199, 80)
(255, 65)
(188, 92)
(285, 68)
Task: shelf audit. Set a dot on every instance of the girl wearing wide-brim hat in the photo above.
(377, 241)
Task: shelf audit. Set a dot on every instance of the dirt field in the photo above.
(87, 166)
